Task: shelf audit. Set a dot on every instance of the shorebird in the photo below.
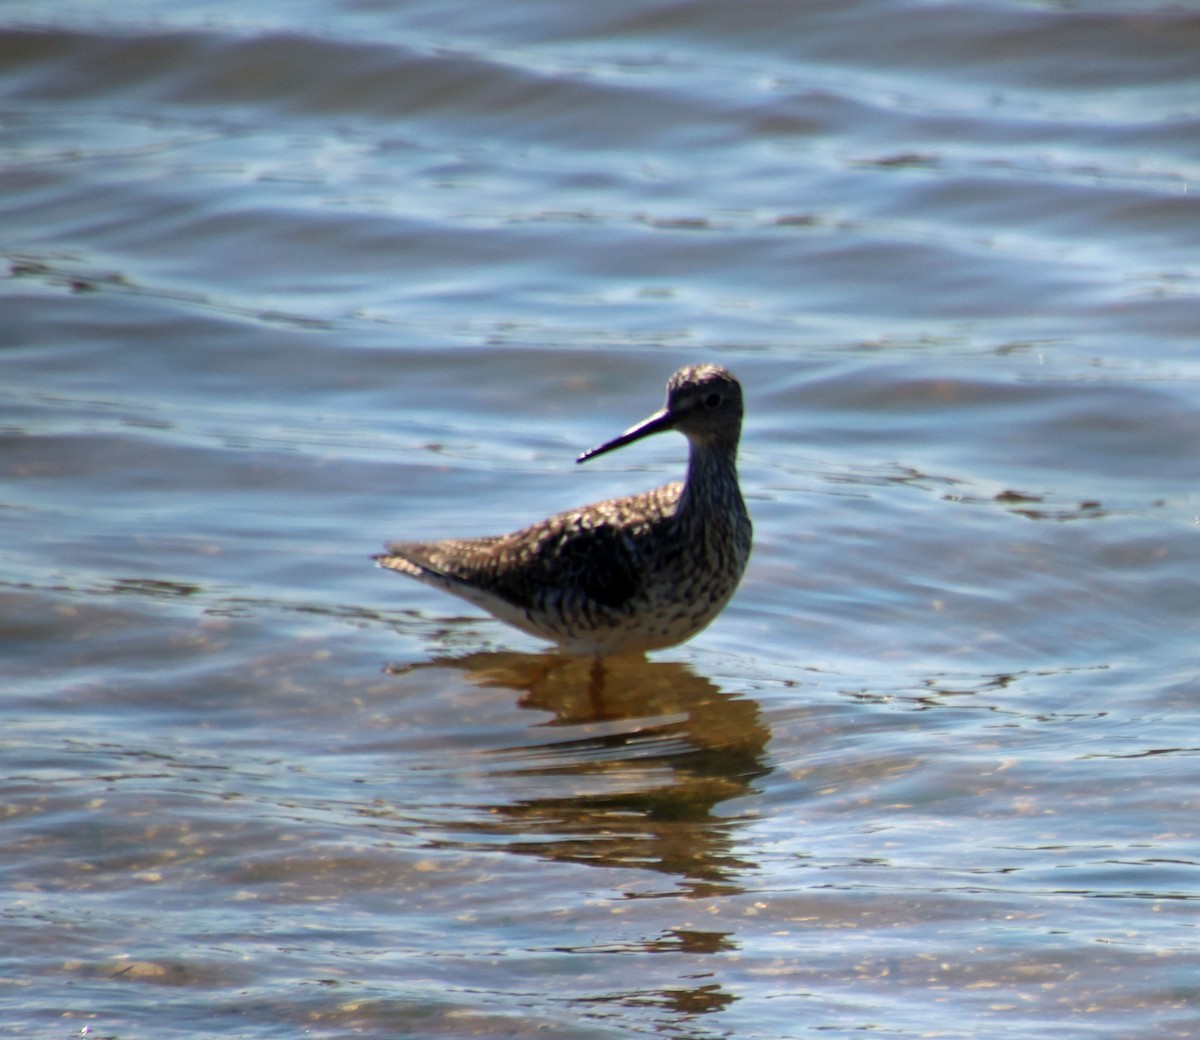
(625, 575)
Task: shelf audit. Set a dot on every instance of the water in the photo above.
(287, 280)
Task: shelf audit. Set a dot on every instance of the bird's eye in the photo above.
(712, 401)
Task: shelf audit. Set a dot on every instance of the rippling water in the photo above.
(286, 280)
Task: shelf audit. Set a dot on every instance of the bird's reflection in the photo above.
(701, 999)
(653, 750)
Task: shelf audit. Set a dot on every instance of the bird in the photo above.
(626, 575)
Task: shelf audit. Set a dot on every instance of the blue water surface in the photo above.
(283, 281)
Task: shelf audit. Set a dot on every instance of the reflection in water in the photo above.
(684, 1003)
(660, 749)
(696, 1000)
(650, 753)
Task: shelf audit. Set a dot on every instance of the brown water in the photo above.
(286, 280)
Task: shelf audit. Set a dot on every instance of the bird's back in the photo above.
(597, 579)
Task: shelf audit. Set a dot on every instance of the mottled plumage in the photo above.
(628, 574)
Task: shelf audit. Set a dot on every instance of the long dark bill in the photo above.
(657, 423)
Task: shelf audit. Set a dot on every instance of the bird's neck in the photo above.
(712, 480)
